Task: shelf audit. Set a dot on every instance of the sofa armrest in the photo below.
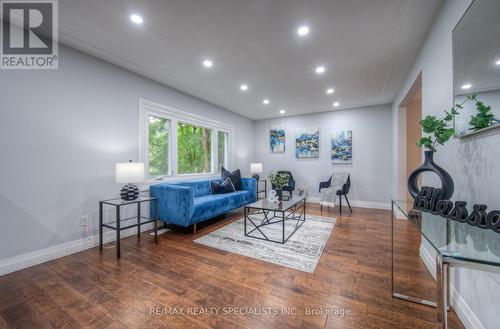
(249, 184)
(175, 203)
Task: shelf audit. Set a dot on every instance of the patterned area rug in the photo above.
(302, 251)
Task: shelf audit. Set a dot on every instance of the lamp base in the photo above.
(129, 192)
(256, 176)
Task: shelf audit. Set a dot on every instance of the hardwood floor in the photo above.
(349, 289)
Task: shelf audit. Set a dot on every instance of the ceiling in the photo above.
(366, 46)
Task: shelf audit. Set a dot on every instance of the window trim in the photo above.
(173, 115)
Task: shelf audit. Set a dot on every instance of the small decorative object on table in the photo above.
(279, 180)
(272, 196)
(255, 170)
(128, 173)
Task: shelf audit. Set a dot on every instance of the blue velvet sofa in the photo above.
(188, 203)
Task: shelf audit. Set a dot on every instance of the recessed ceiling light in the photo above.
(467, 86)
(244, 87)
(136, 19)
(497, 62)
(265, 101)
(208, 63)
(282, 111)
(336, 104)
(303, 30)
(320, 69)
(330, 91)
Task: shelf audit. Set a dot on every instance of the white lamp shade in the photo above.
(129, 172)
(256, 168)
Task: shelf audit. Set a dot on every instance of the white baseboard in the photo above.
(360, 204)
(428, 259)
(465, 314)
(29, 259)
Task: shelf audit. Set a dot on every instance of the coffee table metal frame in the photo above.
(295, 212)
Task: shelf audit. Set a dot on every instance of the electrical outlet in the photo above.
(84, 220)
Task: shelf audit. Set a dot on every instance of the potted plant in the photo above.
(279, 180)
(439, 131)
(483, 118)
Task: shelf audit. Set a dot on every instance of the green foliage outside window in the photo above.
(158, 146)
(194, 145)
(194, 148)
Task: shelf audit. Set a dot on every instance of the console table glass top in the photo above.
(454, 239)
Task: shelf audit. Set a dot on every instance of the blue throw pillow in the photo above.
(221, 188)
(234, 176)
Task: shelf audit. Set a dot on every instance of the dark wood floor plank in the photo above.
(350, 288)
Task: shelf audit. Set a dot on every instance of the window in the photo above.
(194, 149)
(222, 150)
(173, 143)
(158, 146)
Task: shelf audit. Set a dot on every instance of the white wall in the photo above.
(371, 166)
(61, 133)
(472, 162)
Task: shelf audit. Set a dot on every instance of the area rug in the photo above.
(302, 251)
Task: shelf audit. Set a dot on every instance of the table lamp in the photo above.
(129, 173)
(256, 169)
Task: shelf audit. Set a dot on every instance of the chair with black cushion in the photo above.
(339, 185)
(291, 182)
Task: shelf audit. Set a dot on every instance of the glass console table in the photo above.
(439, 242)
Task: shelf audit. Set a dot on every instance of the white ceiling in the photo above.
(367, 47)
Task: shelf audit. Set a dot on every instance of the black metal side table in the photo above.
(264, 190)
(141, 220)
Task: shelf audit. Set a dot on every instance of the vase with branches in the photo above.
(438, 131)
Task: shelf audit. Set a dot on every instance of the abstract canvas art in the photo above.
(307, 143)
(342, 146)
(277, 139)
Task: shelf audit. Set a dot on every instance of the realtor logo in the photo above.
(29, 34)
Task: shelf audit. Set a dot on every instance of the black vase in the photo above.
(279, 194)
(446, 181)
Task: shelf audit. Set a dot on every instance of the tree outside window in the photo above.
(194, 149)
(158, 146)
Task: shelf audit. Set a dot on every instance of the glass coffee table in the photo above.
(275, 222)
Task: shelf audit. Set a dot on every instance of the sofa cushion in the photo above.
(222, 188)
(212, 205)
(234, 176)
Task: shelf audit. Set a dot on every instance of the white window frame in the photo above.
(148, 108)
